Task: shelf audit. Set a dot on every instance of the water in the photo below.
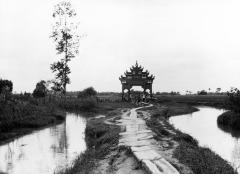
(45, 151)
(202, 125)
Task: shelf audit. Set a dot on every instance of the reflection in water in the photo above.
(45, 151)
(202, 125)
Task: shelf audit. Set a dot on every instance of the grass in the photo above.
(200, 160)
(76, 104)
(101, 139)
(22, 113)
(173, 109)
(89, 109)
(85, 104)
(21, 117)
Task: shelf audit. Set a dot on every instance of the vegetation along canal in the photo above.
(45, 151)
(202, 125)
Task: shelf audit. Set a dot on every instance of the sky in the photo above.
(187, 44)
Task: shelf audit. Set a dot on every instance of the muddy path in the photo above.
(139, 139)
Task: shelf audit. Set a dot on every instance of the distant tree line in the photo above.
(168, 93)
(204, 92)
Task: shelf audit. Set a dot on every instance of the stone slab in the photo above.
(136, 132)
(150, 167)
(147, 155)
(142, 148)
(138, 136)
(145, 148)
(100, 116)
(137, 144)
(165, 166)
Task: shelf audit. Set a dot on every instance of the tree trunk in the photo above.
(65, 66)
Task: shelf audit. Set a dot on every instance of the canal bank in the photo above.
(47, 150)
(19, 118)
(103, 155)
(181, 146)
(204, 127)
(180, 150)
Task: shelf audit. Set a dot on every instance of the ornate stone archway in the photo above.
(136, 77)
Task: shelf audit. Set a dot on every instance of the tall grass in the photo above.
(62, 102)
(17, 114)
(77, 104)
(201, 160)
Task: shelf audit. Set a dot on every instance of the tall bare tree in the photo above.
(67, 43)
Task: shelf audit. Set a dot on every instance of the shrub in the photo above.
(88, 92)
(203, 92)
(6, 88)
(5, 85)
(40, 90)
(229, 120)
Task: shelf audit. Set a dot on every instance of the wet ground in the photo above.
(140, 139)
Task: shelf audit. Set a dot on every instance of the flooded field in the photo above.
(45, 151)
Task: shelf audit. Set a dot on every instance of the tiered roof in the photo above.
(137, 75)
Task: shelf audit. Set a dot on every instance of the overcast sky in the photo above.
(186, 44)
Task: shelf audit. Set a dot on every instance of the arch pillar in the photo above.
(123, 93)
(129, 93)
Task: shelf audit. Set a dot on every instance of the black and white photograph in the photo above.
(119, 87)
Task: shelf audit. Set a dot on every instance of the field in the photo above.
(208, 100)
